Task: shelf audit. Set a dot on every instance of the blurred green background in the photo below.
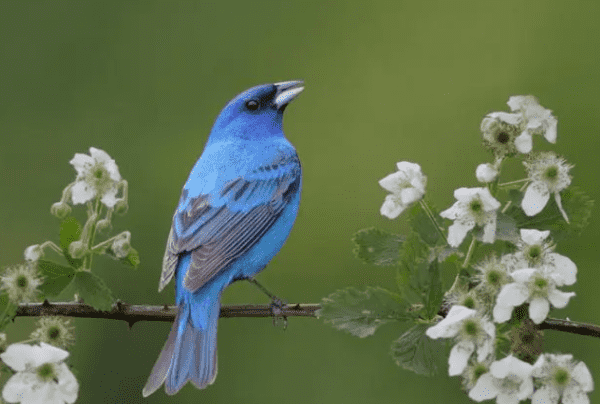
(385, 82)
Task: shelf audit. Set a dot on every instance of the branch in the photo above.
(134, 313)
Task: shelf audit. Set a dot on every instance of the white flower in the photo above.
(21, 283)
(474, 206)
(562, 377)
(535, 252)
(472, 333)
(509, 381)
(407, 186)
(537, 286)
(33, 253)
(41, 378)
(97, 175)
(500, 130)
(549, 174)
(486, 173)
(537, 119)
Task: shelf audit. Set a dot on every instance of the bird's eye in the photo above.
(252, 105)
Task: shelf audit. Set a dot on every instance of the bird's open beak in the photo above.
(286, 92)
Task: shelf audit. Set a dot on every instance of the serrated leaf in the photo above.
(91, 289)
(361, 313)
(70, 230)
(377, 247)
(56, 277)
(422, 224)
(576, 203)
(416, 352)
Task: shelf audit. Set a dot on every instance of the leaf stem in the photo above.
(469, 252)
(431, 217)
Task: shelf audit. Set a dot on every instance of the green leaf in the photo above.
(576, 203)
(8, 311)
(132, 259)
(70, 230)
(413, 270)
(422, 224)
(436, 293)
(416, 352)
(377, 247)
(91, 289)
(56, 277)
(361, 313)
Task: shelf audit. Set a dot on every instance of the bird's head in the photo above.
(257, 112)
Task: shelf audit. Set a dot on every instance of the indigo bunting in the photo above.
(235, 212)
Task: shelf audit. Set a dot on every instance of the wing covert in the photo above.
(220, 227)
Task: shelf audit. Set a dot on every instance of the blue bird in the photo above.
(236, 210)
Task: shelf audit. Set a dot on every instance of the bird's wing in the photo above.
(219, 227)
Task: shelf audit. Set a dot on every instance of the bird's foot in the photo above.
(277, 309)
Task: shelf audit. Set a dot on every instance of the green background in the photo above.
(385, 82)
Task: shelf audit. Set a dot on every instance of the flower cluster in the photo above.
(518, 287)
(40, 374)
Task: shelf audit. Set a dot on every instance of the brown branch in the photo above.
(134, 313)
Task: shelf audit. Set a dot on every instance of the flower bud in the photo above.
(33, 253)
(121, 247)
(103, 225)
(77, 249)
(60, 210)
(121, 207)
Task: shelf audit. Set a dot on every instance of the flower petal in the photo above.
(523, 275)
(560, 299)
(524, 142)
(109, 199)
(67, 384)
(450, 325)
(489, 202)
(573, 395)
(81, 163)
(18, 356)
(410, 195)
(457, 232)
(532, 236)
(564, 268)
(392, 182)
(502, 313)
(485, 388)
(17, 389)
(391, 208)
(538, 310)
(82, 193)
(513, 294)
(459, 356)
(535, 199)
(550, 134)
(489, 230)
(582, 375)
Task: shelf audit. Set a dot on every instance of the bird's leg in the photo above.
(277, 305)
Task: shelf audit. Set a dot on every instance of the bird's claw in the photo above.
(277, 309)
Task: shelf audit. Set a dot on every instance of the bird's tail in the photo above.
(190, 352)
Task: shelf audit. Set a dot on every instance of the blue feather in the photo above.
(235, 212)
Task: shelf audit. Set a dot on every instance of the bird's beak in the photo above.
(286, 92)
